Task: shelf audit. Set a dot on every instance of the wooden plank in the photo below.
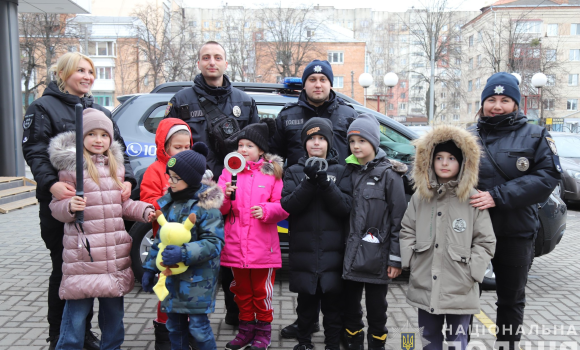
(16, 190)
(9, 178)
(6, 207)
(27, 180)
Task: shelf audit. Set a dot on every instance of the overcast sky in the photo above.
(382, 5)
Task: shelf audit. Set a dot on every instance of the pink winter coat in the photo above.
(110, 274)
(253, 243)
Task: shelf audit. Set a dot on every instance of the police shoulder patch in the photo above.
(27, 122)
(552, 145)
(168, 109)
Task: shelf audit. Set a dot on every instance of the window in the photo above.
(528, 27)
(471, 41)
(218, 24)
(391, 107)
(575, 29)
(574, 55)
(403, 38)
(479, 60)
(402, 106)
(442, 95)
(104, 73)
(469, 108)
(258, 24)
(336, 57)
(391, 50)
(338, 82)
(552, 30)
(457, 60)
(443, 118)
(364, 24)
(206, 24)
(193, 23)
(456, 105)
(444, 28)
(443, 105)
(479, 37)
(403, 84)
(416, 76)
(551, 55)
(403, 95)
(349, 25)
(101, 48)
(572, 105)
(104, 100)
(470, 63)
(478, 83)
(206, 36)
(573, 79)
(443, 84)
(470, 85)
(551, 80)
(309, 33)
(549, 104)
(456, 117)
(246, 24)
(218, 36)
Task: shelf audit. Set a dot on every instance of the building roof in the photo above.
(328, 33)
(542, 3)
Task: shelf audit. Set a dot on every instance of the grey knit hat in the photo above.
(367, 127)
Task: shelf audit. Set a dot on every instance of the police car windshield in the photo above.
(568, 146)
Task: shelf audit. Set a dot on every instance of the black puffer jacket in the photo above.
(227, 98)
(287, 143)
(318, 227)
(46, 117)
(510, 139)
(378, 202)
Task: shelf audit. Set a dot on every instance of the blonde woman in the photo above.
(48, 116)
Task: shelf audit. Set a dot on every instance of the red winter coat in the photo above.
(155, 180)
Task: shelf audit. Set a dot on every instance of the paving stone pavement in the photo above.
(553, 295)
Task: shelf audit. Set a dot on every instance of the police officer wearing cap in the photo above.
(519, 169)
(214, 110)
(316, 100)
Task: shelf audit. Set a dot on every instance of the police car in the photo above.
(138, 116)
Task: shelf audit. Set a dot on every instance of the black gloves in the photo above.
(310, 172)
(317, 177)
(322, 180)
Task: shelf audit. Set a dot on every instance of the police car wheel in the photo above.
(488, 279)
(142, 234)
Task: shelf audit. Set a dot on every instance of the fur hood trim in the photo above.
(211, 196)
(399, 167)
(423, 173)
(62, 152)
(267, 167)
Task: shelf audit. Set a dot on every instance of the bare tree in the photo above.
(181, 45)
(240, 43)
(288, 39)
(153, 34)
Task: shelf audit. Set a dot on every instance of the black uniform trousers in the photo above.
(52, 232)
(511, 262)
(376, 305)
(308, 309)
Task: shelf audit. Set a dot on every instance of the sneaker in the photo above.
(263, 337)
(376, 342)
(245, 336)
(92, 342)
(303, 347)
(291, 331)
(52, 342)
(162, 341)
(353, 340)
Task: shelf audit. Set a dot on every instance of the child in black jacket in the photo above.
(319, 202)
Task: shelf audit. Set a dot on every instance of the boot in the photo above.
(52, 342)
(162, 341)
(91, 341)
(376, 342)
(353, 340)
(291, 331)
(246, 332)
(263, 336)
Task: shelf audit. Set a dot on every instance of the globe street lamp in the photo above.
(365, 80)
(391, 79)
(540, 80)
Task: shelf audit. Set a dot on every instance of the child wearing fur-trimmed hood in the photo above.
(445, 242)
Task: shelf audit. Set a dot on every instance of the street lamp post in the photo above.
(540, 80)
(365, 80)
(391, 79)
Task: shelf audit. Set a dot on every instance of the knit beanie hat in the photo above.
(367, 127)
(189, 165)
(259, 133)
(502, 83)
(318, 67)
(95, 119)
(176, 128)
(449, 147)
(317, 126)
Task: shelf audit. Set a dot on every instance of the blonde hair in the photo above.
(94, 172)
(67, 64)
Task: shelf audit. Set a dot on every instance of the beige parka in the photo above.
(445, 242)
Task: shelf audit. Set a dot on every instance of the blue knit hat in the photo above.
(318, 67)
(502, 83)
(190, 164)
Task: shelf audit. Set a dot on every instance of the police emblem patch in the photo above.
(237, 111)
(523, 164)
(171, 162)
(168, 108)
(317, 69)
(552, 145)
(27, 122)
(499, 89)
(228, 128)
(459, 225)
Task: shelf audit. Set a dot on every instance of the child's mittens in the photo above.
(322, 180)
(171, 255)
(310, 172)
(147, 281)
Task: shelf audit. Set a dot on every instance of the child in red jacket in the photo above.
(173, 136)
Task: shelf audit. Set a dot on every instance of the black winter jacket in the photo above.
(46, 117)
(226, 98)
(511, 140)
(318, 225)
(287, 143)
(378, 202)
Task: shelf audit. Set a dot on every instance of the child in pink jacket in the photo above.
(252, 246)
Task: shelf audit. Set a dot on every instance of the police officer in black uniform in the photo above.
(214, 110)
(46, 117)
(520, 169)
(316, 100)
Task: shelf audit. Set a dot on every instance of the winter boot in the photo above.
(246, 333)
(263, 336)
(91, 341)
(291, 331)
(353, 340)
(303, 347)
(376, 342)
(162, 341)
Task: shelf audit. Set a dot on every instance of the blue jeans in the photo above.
(199, 327)
(72, 328)
(456, 330)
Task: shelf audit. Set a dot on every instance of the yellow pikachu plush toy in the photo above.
(171, 233)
